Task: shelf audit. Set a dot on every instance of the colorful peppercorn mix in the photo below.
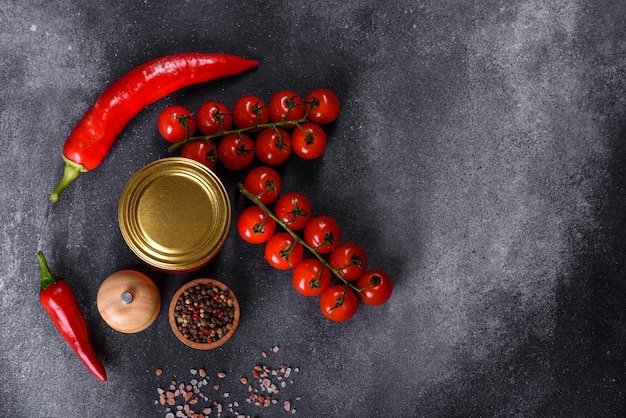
(204, 313)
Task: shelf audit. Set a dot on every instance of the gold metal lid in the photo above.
(175, 214)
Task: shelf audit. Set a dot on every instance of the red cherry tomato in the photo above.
(265, 183)
(255, 226)
(273, 146)
(338, 303)
(286, 105)
(322, 233)
(349, 258)
(322, 105)
(293, 208)
(308, 141)
(236, 151)
(176, 123)
(203, 151)
(213, 117)
(250, 111)
(283, 252)
(376, 287)
(310, 277)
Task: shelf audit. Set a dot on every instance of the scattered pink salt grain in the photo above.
(264, 390)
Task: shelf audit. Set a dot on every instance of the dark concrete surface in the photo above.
(479, 158)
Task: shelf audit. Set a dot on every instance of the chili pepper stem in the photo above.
(286, 227)
(71, 171)
(47, 278)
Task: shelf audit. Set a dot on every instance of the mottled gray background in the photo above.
(478, 158)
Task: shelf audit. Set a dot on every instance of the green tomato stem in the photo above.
(286, 227)
(221, 133)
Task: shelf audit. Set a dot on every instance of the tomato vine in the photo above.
(286, 227)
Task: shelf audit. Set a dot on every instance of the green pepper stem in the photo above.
(286, 227)
(70, 172)
(47, 278)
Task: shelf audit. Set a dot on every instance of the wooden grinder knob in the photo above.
(128, 301)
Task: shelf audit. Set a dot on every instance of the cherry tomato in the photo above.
(349, 258)
(250, 111)
(283, 252)
(310, 277)
(203, 151)
(322, 233)
(265, 183)
(286, 105)
(255, 226)
(236, 151)
(176, 123)
(293, 208)
(308, 141)
(375, 286)
(273, 146)
(322, 105)
(338, 303)
(213, 117)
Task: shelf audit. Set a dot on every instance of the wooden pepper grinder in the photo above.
(128, 301)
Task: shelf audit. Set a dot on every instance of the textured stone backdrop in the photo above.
(478, 159)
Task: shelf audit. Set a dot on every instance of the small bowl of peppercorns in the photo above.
(204, 314)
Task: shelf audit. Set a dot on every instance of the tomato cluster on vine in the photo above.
(320, 235)
(269, 132)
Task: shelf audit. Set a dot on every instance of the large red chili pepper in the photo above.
(57, 298)
(95, 133)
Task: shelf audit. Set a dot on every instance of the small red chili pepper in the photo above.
(92, 138)
(57, 298)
